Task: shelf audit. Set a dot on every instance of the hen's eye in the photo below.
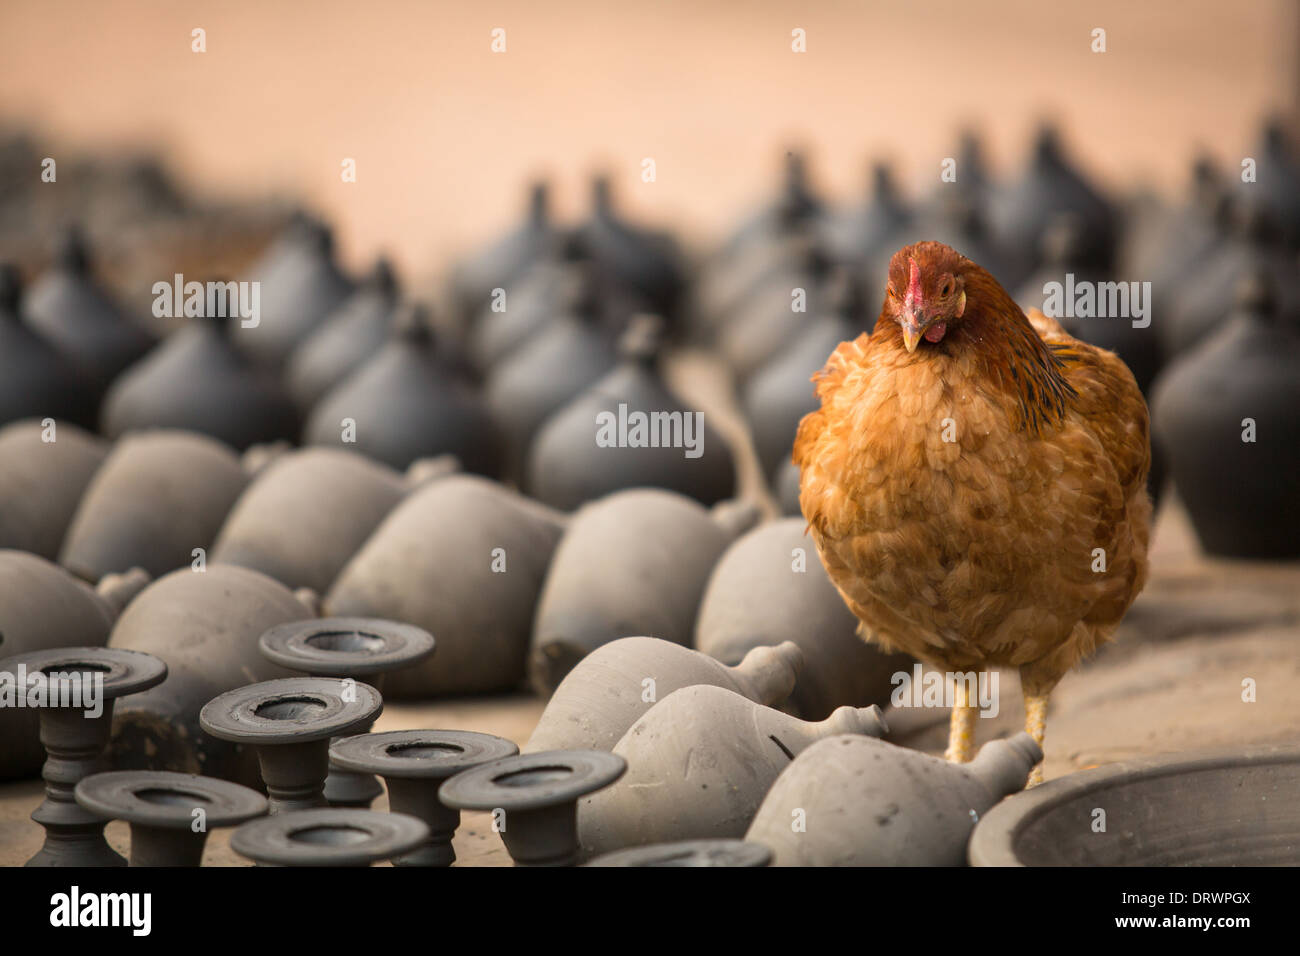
(946, 290)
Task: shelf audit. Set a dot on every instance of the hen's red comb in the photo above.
(915, 298)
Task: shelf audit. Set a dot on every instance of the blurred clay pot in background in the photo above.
(205, 626)
(633, 563)
(47, 478)
(770, 587)
(463, 558)
(157, 497)
(865, 802)
(699, 763)
(615, 684)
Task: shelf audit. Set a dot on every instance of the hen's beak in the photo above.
(912, 332)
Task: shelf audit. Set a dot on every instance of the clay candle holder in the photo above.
(690, 853)
(289, 723)
(331, 836)
(74, 742)
(414, 764)
(160, 806)
(539, 795)
(344, 647)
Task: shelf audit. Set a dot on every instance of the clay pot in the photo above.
(300, 287)
(197, 380)
(868, 232)
(501, 264)
(864, 802)
(529, 304)
(304, 516)
(35, 379)
(1170, 251)
(41, 607)
(1223, 808)
(973, 185)
(1275, 193)
(349, 336)
(206, 627)
(699, 763)
(780, 394)
(689, 853)
(158, 496)
(48, 477)
(769, 587)
(76, 717)
(1206, 296)
(959, 222)
(328, 836)
(407, 402)
(68, 308)
(616, 684)
(464, 559)
(795, 206)
(756, 273)
(570, 354)
(1240, 494)
(632, 563)
(160, 807)
(600, 441)
(1021, 212)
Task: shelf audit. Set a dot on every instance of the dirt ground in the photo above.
(1172, 682)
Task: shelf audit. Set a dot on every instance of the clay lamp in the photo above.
(328, 836)
(414, 764)
(534, 799)
(690, 853)
(76, 713)
(170, 813)
(347, 647)
(289, 723)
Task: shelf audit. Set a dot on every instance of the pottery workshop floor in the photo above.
(1172, 682)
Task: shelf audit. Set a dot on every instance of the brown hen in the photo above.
(976, 484)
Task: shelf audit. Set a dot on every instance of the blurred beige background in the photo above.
(445, 132)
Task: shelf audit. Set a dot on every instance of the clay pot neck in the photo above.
(769, 673)
(539, 202)
(1002, 766)
(851, 720)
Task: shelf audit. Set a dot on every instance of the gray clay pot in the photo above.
(632, 563)
(431, 563)
(614, 685)
(757, 596)
(854, 801)
(1220, 808)
(205, 626)
(304, 516)
(42, 607)
(158, 496)
(699, 764)
(48, 478)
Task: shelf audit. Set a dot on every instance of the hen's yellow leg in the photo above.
(1036, 727)
(961, 729)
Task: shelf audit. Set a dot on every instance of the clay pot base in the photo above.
(690, 853)
(347, 647)
(414, 764)
(539, 795)
(330, 836)
(74, 744)
(1226, 808)
(289, 722)
(160, 806)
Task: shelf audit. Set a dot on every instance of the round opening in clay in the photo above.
(290, 708)
(336, 835)
(346, 642)
(533, 776)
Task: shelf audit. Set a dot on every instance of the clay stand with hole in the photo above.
(347, 647)
(74, 739)
(537, 796)
(289, 723)
(329, 836)
(690, 853)
(414, 764)
(161, 806)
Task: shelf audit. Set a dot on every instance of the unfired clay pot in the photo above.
(304, 516)
(634, 562)
(48, 478)
(614, 685)
(770, 587)
(158, 496)
(205, 626)
(854, 801)
(464, 559)
(699, 764)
